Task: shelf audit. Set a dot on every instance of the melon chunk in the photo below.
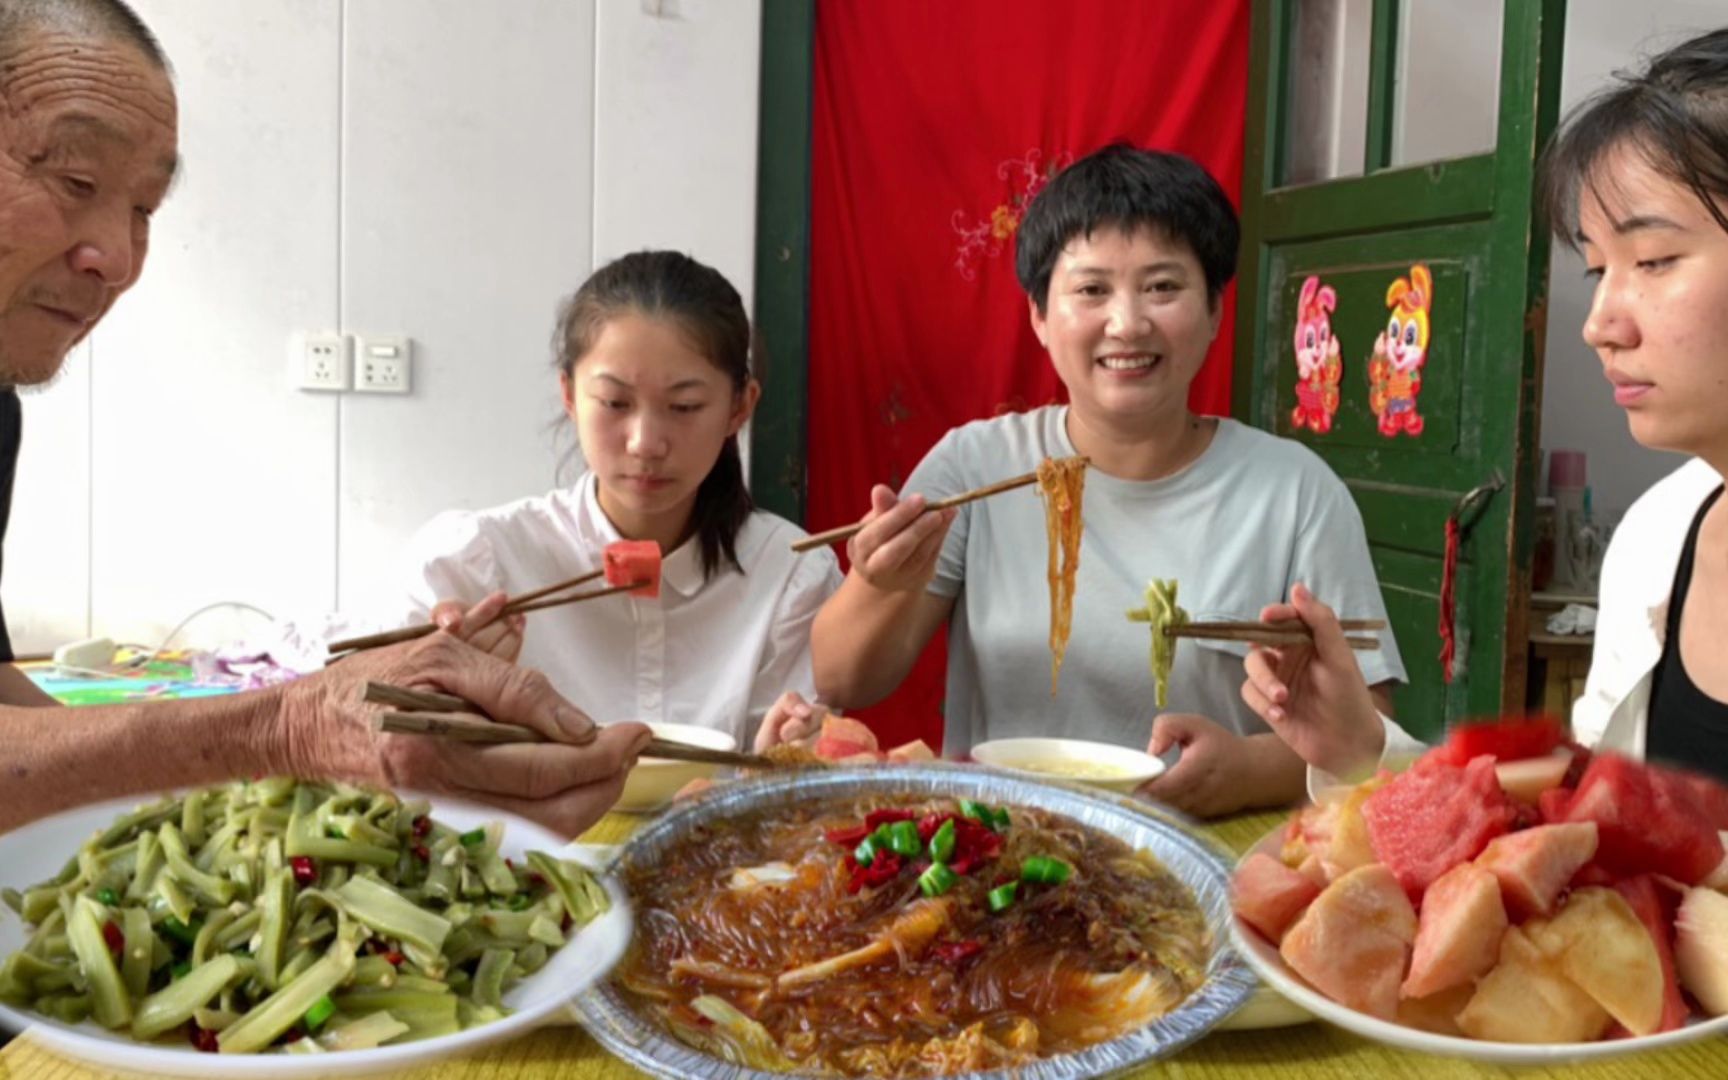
(1334, 831)
(1534, 865)
(1526, 780)
(1354, 940)
(1648, 902)
(916, 750)
(1269, 895)
(1458, 934)
(1701, 948)
(1526, 999)
(1437, 1013)
(1601, 945)
(1718, 878)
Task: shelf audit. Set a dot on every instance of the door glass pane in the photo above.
(1326, 101)
(1447, 100)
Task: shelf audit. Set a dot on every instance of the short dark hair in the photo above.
(1127, 188)
(106, 20)
(671, 285)
(1674, 114)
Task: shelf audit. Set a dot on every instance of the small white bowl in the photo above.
(1102, 765)
(653, 782)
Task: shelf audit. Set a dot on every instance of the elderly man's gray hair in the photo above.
(104, 20)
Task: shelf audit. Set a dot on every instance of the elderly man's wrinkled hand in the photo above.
(324, 728)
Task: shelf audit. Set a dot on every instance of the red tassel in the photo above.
(1448, 577)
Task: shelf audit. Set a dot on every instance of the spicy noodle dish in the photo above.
(907, 936)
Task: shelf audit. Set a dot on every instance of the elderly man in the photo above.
(87, 153)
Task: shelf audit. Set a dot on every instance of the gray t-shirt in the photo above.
(1253, 515)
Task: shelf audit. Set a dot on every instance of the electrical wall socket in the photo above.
(384, 365)
(323, 361)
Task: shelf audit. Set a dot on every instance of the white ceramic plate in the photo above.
(1263, 956)
(1122, 768)
(37, 851)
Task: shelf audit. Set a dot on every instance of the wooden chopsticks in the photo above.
(529, 601)
(846, 532)
(1283, 632)
(424, 712)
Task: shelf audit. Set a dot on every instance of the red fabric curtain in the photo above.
(933, 125)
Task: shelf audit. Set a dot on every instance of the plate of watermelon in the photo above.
(1507, 898)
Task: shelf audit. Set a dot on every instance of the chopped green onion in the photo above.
(519, 901)
(1002, 896)
(999, 819)
(107, 897)
(903, 838)
(180, 968)
(942, 842)
(865, 853)
(322, 1010)
(977, 811)
(937, 880)
(473, 836)
(1044, 870)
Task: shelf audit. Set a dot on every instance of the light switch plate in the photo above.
(384, 365)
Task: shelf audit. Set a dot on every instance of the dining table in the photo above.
(1302, 1051)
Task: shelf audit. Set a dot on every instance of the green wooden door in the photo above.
(1470, 222)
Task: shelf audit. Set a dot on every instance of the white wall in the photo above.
(434, 168)
(1578, 412)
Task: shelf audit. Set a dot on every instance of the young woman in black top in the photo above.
(1637, 181)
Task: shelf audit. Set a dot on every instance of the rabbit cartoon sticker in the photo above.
(1319, 363)
(1395, 372)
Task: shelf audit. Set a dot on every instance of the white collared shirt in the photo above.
(1631, 620)
(715, 653)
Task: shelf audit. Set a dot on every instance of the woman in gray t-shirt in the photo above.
(1124, 256)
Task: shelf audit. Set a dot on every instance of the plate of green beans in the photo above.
(289, 928)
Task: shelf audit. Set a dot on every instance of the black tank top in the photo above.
(1687, 727)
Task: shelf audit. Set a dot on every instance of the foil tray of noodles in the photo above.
(921, 920)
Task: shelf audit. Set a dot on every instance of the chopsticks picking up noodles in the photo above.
(847, 532)
(1062, 482)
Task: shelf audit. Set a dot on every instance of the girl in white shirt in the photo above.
(1638, 181)
(653, 355)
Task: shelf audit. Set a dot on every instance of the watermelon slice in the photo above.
(629, 561)
(1269, 895)
(1512, 738)
(1533, 865)
(1649, 820)
(1647, 902)
(1553, 803)
(1435, 816)
(1458, 935)
(843, 737)
(1713, 796)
